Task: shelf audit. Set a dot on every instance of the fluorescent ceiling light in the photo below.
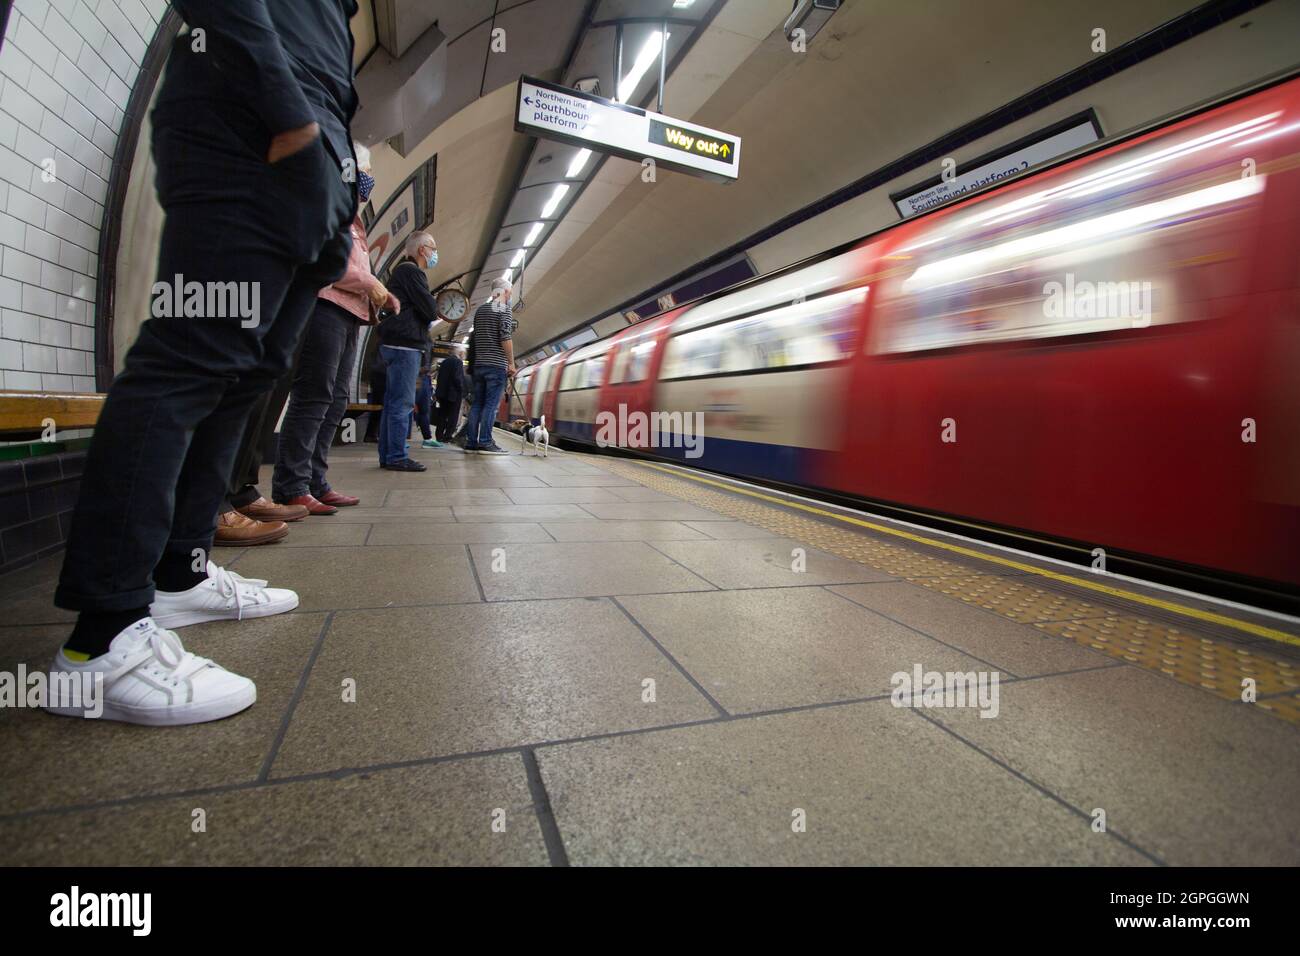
(580, 160)
(519, 257)
(682, 4)
(644, 60)
(533, 233)
(553, 203)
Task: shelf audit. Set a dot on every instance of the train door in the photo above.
(630, 385)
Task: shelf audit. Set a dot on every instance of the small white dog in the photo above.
(538, 437)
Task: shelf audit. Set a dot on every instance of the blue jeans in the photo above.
(489, 386)
(402, 367)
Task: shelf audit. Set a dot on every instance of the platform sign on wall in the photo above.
(1010, 161)
(580, 119)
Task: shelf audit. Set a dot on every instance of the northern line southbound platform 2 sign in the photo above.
(580, 119)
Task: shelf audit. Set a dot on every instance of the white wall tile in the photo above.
(62, 34)
(58, 334)
(32, 42)
(13, 232)
(11, 294)
(23, 205)
(41, 244)
(21, 266)
(15, 169)
(23, 380)
(11, 354)
(71, 78)
(38, 301)
(55, 278)
(39, 358)
(15, 64)
(72, 256)
(21, 105)
(87, 24)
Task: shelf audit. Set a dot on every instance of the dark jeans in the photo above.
(317, 402)
(424, 406)
(448, 417)
(400, 366)
(164, 448)
(259, 435)
(489, 386)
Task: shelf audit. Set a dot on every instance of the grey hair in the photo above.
(414, 241)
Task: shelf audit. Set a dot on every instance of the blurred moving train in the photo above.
(1105, 353)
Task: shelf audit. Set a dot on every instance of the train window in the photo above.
(620, 365)
(543, 385)
(1145, 236)
(572, 375)
(584, 374)
(639, 366)
(803, 333)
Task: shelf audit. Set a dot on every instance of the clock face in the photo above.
(452, 304)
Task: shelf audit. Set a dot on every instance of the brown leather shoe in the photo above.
(337, 499)
(312, 505)
(239, 531)
(263, 510)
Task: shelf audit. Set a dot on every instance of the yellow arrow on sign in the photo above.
(726, 150)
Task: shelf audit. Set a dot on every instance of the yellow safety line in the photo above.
(1257, 629)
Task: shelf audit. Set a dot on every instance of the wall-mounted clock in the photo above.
(452, 304)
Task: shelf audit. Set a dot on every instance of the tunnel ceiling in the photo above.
(811, 122)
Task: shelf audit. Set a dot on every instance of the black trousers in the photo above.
(317, 402)
(259, 435)
(448, 416)
(165, 444)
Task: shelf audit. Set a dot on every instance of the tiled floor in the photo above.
(554, 662)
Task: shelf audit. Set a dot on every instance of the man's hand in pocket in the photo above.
(292, 141)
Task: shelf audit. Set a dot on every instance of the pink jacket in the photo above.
(351, 292)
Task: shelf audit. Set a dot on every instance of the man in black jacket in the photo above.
(251, 142)
(402, 339)
(449, 393)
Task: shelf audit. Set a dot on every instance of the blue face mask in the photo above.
(433, 259)
(365, 183)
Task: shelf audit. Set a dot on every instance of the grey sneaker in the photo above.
(492, 449)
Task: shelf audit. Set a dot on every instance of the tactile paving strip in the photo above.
(1190, 657)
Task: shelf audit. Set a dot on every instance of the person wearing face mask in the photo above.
(493, 364)
(402, 338)
(319, 395)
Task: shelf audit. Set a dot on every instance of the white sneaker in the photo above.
(149, 678)
(222, 597)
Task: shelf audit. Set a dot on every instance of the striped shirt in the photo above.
(491, 329)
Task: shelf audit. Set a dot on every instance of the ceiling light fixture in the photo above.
(533, 233)
(644, 60)
(682, 4)
(554, 202)
(580, 160)
(519, 257)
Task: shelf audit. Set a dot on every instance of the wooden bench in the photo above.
(23, 414)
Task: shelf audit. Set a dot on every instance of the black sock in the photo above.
(95, 630)
(175, 572)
